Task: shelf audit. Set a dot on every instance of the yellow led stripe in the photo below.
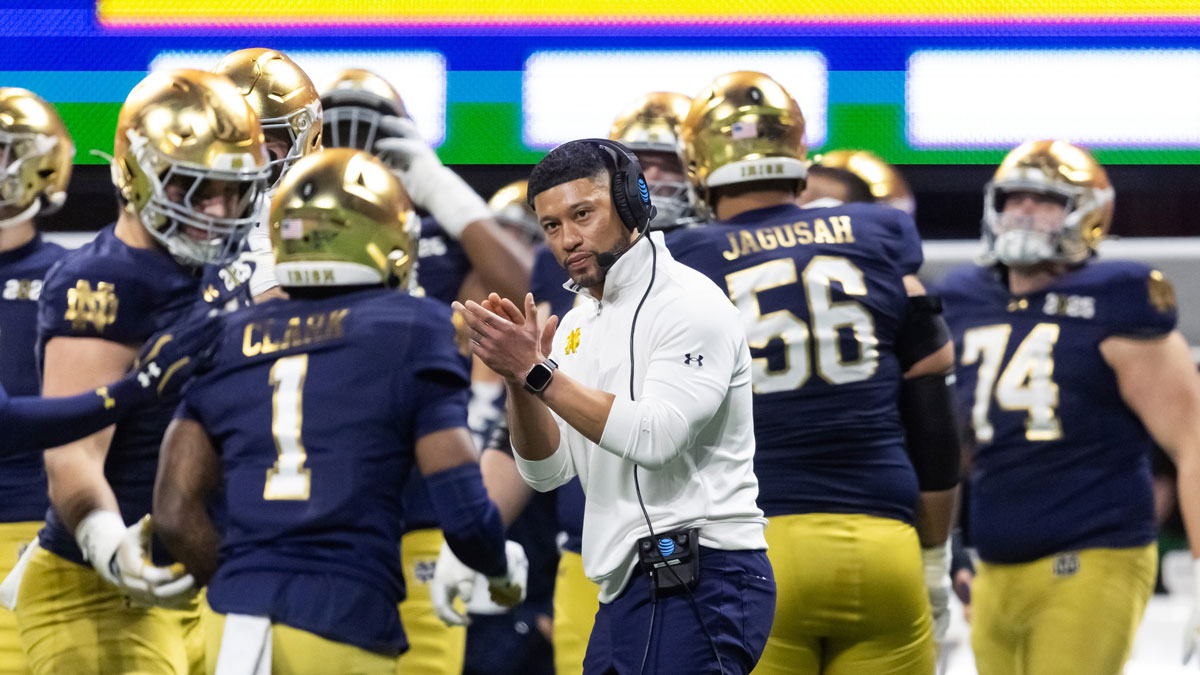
(283, 12)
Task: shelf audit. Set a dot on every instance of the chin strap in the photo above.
(24, 216)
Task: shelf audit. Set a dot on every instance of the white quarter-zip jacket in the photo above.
(689, 426)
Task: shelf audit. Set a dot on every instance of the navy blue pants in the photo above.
(735, 598)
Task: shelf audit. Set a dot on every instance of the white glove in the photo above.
(259, 240)
(121, 556)
(936, 561)
(1191, 638)
(431, 185)
(453, 579)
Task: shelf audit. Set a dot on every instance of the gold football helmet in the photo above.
(285, 100)
(651, 126)
(744, 127)
(340, 218)
(189, 161)
(1060, 170)
(361, 107)
(887, 184)
(36, 155)
(512, 209)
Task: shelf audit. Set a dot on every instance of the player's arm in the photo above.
(1158, 381)
(75, 471)
(166, 362)
(502, 262)
(931, 433)
(502, 478)
(928, 411)
(189, 472)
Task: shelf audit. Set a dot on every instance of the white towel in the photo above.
(245, 646)
(12, 583)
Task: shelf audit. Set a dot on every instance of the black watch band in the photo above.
(539, 376)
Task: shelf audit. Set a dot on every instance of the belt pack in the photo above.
(672, 559)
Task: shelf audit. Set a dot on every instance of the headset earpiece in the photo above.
(630, 194)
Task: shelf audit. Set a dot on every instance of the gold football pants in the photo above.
(433, 647)
(1074, 612)
(851, 597)
(576, 601)
(13, 537)
(298, 652)
(73, 621)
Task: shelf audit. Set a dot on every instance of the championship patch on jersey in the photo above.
(1162, 294)
(97, 306)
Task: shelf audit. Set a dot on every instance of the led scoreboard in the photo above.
(501, 81)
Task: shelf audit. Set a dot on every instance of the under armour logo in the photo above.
(152, 370)
(688, 358)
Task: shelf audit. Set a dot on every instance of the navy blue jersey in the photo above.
(109, 290)
(316, 449)
(821, 296)
(1061, 462)
(442, 264)
(22, 477)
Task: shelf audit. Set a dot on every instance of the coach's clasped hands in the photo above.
(505, 339)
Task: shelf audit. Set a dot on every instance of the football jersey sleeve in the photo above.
(442, 374)
(89, 298)
(1141, 304)
(907, 243)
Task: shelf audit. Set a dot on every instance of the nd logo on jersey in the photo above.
(572, 341)
(97, 307)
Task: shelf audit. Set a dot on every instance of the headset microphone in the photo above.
(609, 258)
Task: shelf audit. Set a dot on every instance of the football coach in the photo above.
(643, 391)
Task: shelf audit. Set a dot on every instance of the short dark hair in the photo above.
(857, 189)
(570, 161)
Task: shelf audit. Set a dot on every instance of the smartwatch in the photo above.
(539, 376)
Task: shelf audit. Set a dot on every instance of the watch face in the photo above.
(538, 378)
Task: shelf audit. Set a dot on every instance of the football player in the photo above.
(830, 174)
(462, 251)
(189, 167)
(650, 128)
(289, 110)
(1072, 369)
(836, 343)
(352, 383)
(36, 155)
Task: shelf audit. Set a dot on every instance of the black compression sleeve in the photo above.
(923, 332)
(930, 419)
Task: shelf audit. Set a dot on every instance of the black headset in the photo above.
(630, 193)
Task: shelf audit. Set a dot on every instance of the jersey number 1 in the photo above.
(288, 479)
(1025, 384)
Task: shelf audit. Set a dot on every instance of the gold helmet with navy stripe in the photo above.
(744, 127)
(190, 163)
(36, 156)
(340, 218)
(285, 100)
(1064, 172)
